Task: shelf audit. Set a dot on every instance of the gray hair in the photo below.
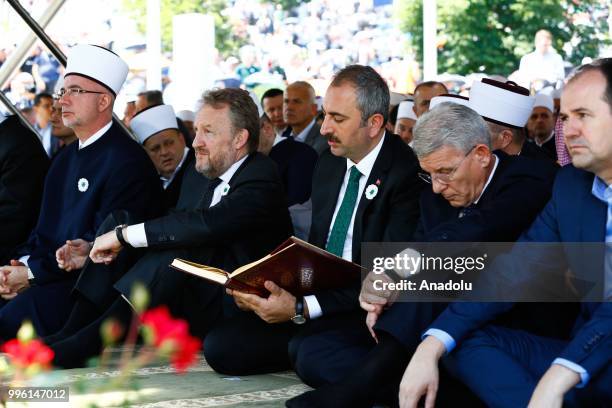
(370, 88)
(449, 124)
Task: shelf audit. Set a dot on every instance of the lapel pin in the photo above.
(371, 191)
(225, 190)
(83, 185)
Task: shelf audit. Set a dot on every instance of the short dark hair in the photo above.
(153, 97)
(430, 84)
(371, 90)
(271, 93)
(393, 114)
(603, 65)
(242, 111)
(40, 96)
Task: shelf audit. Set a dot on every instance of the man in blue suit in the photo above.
(506, 367)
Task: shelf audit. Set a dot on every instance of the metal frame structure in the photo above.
(20, 53)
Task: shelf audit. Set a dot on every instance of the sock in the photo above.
(381, 370)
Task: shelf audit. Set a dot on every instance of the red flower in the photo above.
(171, 336)
(28, 353)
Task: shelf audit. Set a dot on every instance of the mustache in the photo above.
(201, 150)
(332, 138)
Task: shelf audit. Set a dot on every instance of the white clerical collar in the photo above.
(166, 181)
(366, 164)
(489, 179)
(93, 138)
(301, 137)
(229, 173)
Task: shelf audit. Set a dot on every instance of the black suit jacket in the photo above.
(171, 193)
(532, 150)
(248, 223)
(315, 140)
(23, 166)
(296, 162)
(518, 190)
(390, 216)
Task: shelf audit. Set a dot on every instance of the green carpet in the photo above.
(158, 385)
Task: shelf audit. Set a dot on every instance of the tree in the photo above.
(491, 36)
(226, 41)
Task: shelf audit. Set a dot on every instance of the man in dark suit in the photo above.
(23, 166)
(506, 367)
(364, 189)
(237, 215)
(470, 188)
(299, 112)
(157, 130)
(103, 172)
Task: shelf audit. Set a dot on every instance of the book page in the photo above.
(203, 271)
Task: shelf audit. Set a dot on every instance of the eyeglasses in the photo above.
(70, 92)
(444, 178)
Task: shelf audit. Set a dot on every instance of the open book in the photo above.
(296, 266)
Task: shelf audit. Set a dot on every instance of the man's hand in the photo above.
(14, 279)
(106, 248)
(72, 255)
(553, 385)
(421, 376)
(373, 295)
(279, 307)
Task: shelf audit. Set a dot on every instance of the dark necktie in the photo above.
(208, 194)
(287, 132)
(335, 244)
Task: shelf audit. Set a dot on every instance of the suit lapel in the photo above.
(377, 178)
(335, 180)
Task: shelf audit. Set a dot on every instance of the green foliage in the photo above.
(491, 35)
(226, 41)
(289, 4)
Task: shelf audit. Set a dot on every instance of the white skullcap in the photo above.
(458, 99)
(98, 64)
(545, 101)
(502, 103)
(186, 115)
(396, 98)
(153, 120)
(255, 99)
(405, 111)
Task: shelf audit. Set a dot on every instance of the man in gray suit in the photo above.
(299, 111)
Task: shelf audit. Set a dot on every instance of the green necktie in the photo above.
(335, 244)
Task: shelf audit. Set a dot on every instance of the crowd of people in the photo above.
(88, 212)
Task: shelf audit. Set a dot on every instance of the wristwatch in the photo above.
(119, 234)
(299, 312)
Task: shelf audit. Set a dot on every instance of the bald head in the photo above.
(299, 105)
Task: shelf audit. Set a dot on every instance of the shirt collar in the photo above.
(229, 173)
(489, 179)
(168, 180)
(302, 135)
(601, 190)
(277, 139)
(93, 138)
(366, 164)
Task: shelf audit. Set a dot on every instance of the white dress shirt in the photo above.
(135, 234)
(364, 166)
(93, 138)
(166, 181)
(301, 137)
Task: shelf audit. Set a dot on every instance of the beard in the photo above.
(212, 166)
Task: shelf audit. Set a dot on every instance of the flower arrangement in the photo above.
(164, 337)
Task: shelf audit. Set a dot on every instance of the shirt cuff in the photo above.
(584, 375)
(314, 308)
(136, 236)
(444, 337)
(24, 260)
